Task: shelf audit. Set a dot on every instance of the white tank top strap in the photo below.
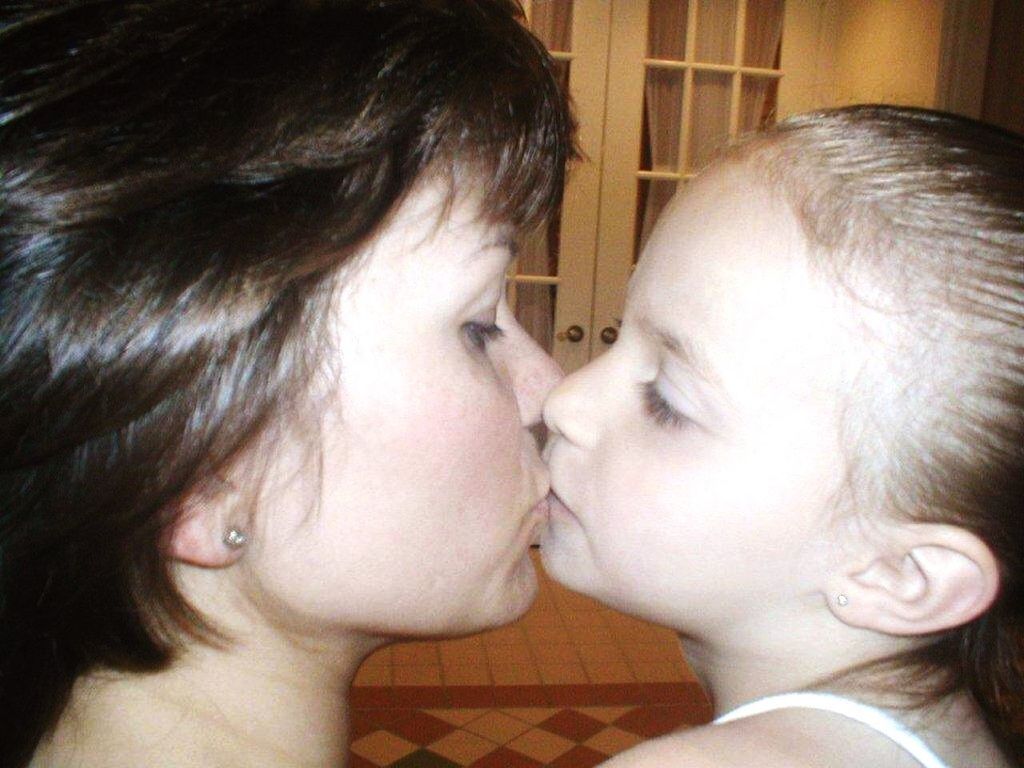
(870, 716)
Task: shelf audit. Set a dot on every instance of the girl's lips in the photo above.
(557, 506)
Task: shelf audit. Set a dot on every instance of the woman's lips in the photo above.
(542, 508)
(537, 517)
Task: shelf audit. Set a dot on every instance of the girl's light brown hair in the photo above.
(919, 217)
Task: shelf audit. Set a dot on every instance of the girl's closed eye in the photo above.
(659, 409)
(480, 334)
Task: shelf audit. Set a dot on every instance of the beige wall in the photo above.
(888, 50)
(849, 51)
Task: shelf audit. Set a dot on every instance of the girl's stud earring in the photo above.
(235, 539)
(842, 600)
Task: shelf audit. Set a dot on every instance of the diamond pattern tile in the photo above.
(652, 721)
(422, 758)
(361, 725)
(567, 686)
(613, 740)
(541, 745)
(532, 715)
(572, 724)
(458, 716)
(497, 727)
(462, 747)
(422, 728)
(382, 748)
(402, 735)
(506, 758)
(579, 757)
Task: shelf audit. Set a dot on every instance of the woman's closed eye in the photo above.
(481, 334)
(659, 409)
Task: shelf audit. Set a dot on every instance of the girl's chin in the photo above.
(560, 548)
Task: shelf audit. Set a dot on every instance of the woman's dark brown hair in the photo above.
(179, 183)
(919, 216)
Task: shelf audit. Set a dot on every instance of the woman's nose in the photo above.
(571, 408)
(534, 374)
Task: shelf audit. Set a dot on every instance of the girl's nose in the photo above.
(573, 406)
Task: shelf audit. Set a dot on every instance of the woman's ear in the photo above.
(926, 577)
(203, 534)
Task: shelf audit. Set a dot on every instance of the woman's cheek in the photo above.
(497, 458)
(470, 444)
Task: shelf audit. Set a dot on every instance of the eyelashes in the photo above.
(481, 334)
(658, 409)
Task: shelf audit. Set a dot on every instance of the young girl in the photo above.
(806, 451)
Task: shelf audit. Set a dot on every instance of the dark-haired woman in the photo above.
(264, 407)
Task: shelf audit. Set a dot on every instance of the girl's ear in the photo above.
(199, 535)
(930, 577)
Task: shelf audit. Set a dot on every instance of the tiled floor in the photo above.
(568, 685)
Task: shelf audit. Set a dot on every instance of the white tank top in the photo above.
(870, 716)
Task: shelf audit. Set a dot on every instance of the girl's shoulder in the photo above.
(743, 743)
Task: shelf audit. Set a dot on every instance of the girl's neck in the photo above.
(747, 662)
(258, 704)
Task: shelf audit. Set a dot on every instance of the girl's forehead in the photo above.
(728, 267)
(724, 225)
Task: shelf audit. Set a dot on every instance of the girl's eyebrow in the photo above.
(688, 351)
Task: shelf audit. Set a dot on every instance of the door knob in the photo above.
(609, 335)
(573, 333)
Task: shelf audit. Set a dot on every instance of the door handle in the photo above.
(573, 333)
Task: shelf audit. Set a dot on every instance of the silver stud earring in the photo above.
(235, 539)
(842, 600)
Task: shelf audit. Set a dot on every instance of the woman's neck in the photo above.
(259, 703)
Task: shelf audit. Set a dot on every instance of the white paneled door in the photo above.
(659, 86)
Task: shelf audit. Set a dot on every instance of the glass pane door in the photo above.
(551, 286)
(684, 77)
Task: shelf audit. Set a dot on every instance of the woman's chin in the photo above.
(511, 600)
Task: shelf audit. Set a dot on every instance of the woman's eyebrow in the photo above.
(511, 245)
(507, 244)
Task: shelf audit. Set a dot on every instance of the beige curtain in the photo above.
(551, 21)
(761, 49)
(663, 100)
(716, 40)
